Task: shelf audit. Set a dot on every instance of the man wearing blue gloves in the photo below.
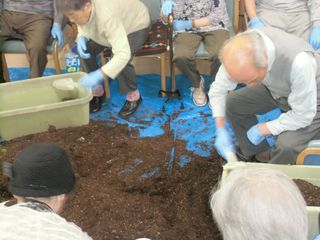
(280, 70)
(196, 21)
(33, 20)
(120, 25)
(301, 18)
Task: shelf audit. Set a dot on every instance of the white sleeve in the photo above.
(219, 90)
(302, 99)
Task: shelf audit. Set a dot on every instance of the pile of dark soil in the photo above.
(126, 187)
(116, 198)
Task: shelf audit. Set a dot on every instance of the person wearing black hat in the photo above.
(41, 178)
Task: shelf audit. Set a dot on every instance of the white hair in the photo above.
(259, 204)
(257, 51)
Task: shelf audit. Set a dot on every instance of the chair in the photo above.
(156, 45)
(15, 45)
(235, 9)
(310, 155)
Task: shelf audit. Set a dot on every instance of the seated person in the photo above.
(41, 178)
(33, 20)
(120, 25)
(299, 17)
(259, 204)
(198, 21)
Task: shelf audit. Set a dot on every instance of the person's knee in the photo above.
(231, 104)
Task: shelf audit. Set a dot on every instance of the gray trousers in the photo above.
(127, 77)
(298, 24)
(35, 31)
(186, 46)
(242, 106)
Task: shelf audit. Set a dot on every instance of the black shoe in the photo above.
(96, 104)
(241, 157)
(129, 107)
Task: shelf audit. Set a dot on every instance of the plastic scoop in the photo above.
(66, 88)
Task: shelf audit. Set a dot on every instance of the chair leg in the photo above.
(163, 73)
(55, 54)
(4, 66)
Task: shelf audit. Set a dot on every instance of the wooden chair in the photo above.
(310, 155)
(15, 45)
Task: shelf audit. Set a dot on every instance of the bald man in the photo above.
(279, 70)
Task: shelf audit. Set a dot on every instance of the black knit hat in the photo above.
(42, 170)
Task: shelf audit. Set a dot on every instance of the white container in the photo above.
(310, 174)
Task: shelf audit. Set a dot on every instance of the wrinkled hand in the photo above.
(82, 47)
(167, 7)
(179, 25)
(223, 143)
(256, 23)
(254, 135)
(92, 79)
(314, 38)
(57, 33)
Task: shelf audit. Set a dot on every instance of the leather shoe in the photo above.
(95, 104)
(129, 107)
(242, 157)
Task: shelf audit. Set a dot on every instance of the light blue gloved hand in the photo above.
(92, 79)
(314, 38)
(57, 33)
(82, 47)
(167, 7)
(317, 238)
(223, 142)
(254, 135)
(256, 23)
(179, 25)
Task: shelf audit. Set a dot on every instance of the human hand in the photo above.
(256, 23)
(167, 7)
(179, 25)
(314, 38)
(92, 79)
(82, 47)
(57, 33)
(317, 238)
(254, 135)
(223, 143)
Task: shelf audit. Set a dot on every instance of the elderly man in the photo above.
(33, 20)
(259, 204)
(279, 70)
(41, 178)
(299, 17)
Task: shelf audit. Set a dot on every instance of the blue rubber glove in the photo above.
(179, 25)
(167, 7)
(223, 142)
(92, 79)
(57, 33)
(254, 135)
(82, 47)
(314, 38)
(317, 238)
(256, 23)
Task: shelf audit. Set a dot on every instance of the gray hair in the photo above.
(259, 204)
(70, 5)
(257, 51)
